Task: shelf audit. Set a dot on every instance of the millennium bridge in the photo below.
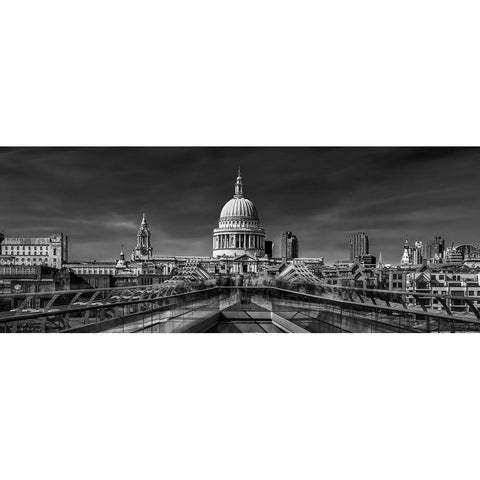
(193, 307)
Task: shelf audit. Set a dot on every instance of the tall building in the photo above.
(435, 250)
(418, 253)
(51, 251)
(289, 247)
(143, 250)
(239, 229)
(359, 246)
(269, 248)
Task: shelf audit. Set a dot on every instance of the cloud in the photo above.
(97, 195)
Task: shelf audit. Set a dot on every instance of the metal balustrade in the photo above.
(299, 307)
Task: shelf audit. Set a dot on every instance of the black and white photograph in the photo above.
(176, 174)
(240, 240)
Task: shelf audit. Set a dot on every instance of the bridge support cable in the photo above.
(473, 308)
(23, 304)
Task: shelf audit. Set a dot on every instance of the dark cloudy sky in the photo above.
(97, 195)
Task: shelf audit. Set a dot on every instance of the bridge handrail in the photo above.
(401, 310)
(443, 316)
(367, 290)
(85, 290)
(53, 313)
(393, 292)
(166, 286)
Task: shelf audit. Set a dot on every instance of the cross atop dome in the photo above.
(239, 185)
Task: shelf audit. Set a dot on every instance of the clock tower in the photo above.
(143, 250)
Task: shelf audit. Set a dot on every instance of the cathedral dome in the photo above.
(239, 209)
(239, 230)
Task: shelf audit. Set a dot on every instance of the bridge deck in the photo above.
(222, 309)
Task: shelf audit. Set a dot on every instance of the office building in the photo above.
(368, 261)
(359, 246)
(289, 247)
(435, 250)
(269, 248)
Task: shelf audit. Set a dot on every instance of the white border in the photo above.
(229, 73)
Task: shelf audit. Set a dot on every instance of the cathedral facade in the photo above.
(238, 243)
(238, 249)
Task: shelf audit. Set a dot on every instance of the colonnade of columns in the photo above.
(239, 240)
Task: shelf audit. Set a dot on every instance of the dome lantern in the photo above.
(239, 185)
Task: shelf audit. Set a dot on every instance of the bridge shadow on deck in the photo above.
(245, 317)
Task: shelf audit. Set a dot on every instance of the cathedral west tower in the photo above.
(143, 250)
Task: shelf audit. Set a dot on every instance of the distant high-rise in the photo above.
(418, 253)
(359, 246)
(435, 250)
(289, 246)
(269, 248)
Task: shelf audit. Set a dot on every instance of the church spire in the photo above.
(380, 261)
(239, 185)
(144, 221)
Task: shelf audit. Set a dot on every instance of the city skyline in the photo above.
(96, 196)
